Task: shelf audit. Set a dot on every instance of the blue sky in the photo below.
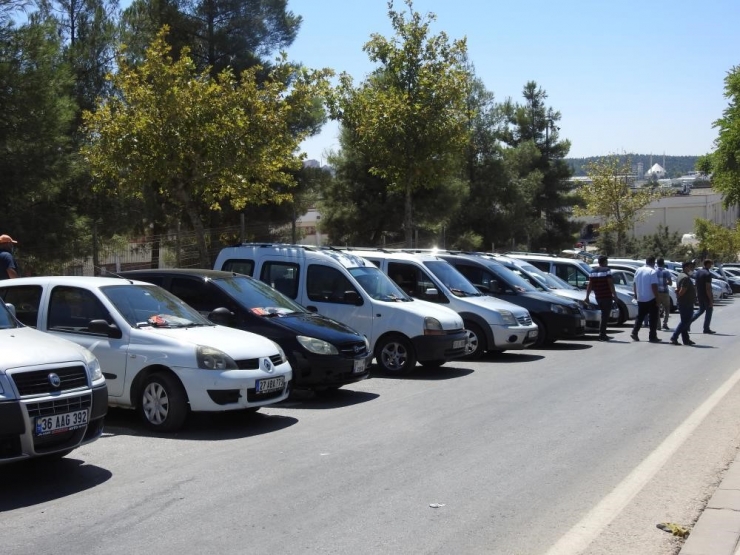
(627, 76)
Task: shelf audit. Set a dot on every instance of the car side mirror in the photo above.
(102, 327)
(431, 292)
(11, 308)
(352, 297)
(221, 316)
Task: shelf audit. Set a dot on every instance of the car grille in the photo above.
(59, 406)
(352, 350)
(525, 320)
(37, 382)
(254, 363)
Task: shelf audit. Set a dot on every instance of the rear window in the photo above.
(240, 266)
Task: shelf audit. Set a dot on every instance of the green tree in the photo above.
(536, 123)
(726, 157)
(662, 243)
(717, 242)
(608, 196)
(201, 142)
(409, 117)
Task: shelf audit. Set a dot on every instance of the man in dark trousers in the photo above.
(704, 295)
(602, 284)
(685, 295)
(645, 287)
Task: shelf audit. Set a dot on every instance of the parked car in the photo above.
(492, 324)
(323, 353)
(401, 330)
(555, 317)
(624, 277)
(53, 397)
(159, 356)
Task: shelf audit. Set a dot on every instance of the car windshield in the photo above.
(376, 284)
(258, 297)
(514, 279)
(457, 283)
(6, 319)
(150, 305)
(547, 279)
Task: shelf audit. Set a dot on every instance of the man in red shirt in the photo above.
(602, 284)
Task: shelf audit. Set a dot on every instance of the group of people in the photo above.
(8, 267)
(651, 291)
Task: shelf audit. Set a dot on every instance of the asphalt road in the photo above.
(580, 448)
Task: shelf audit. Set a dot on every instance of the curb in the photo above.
(717, 532)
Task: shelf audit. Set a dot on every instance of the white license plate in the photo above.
(359, 366)
(459, 344)
(269, 385)
(532, 333)
(583, 322)
(58, 423)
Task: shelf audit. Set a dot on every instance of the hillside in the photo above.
(675, 166)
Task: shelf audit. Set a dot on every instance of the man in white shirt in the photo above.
(646, 293)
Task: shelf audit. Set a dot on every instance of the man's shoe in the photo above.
(655, 340)
(689, 342)
(666, 328)
(709, 331)
(674, 342)
(634, 337)
(604, 338)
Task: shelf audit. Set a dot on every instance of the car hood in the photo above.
(238, 344)
(548, 297)
(448, 318)
(27, 346)
(316, 325)
(492, 303)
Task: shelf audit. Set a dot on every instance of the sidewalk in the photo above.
(717, 532)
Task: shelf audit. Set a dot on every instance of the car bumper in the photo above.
(218, 391)
(328, 371)
(513, 337)
(563, 326)
(440, 347)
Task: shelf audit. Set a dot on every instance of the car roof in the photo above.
(396, 255)
(193, 272)
(74, 281)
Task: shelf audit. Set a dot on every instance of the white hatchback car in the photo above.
(158, 355)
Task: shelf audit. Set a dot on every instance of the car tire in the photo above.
(395, 355)
(163, 403)
(476, 345)
(542, 337)
(623, 313)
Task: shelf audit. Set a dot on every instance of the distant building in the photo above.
(655, 172)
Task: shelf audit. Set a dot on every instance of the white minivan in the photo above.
(493, 324)
(400, 330)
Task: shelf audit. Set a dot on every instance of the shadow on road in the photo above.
(326, 400)
(40, 480)
(200, 426)
(511, 357)
(565, 346)
(421, 373)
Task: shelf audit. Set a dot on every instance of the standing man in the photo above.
(686, 295)
(602, 284)
(645, 287)
(664, 300)
(704, 295)
(8, 268)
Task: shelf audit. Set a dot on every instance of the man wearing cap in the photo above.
(8, 268)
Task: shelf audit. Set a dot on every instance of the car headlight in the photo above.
(317, 346)
(432, 326)
(508, 318)
(558, 309)
(93, 367)
(210, 358)
(281, 352)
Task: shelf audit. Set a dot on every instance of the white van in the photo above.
(493, 324)
(400, 330)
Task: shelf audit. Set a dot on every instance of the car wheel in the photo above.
(623, 313)
(542, 338)
(476, 345)
(163, 403)
(433, 363)
(395, 355)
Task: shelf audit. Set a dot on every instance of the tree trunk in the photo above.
(198, 228)
(408, 220)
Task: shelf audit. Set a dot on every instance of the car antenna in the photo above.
(105, 272)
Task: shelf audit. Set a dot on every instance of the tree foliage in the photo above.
(726, 157)
(609, 197)
(717, 242)
(199, 142)
(409, 117)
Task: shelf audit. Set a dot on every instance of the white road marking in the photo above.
(578, 538)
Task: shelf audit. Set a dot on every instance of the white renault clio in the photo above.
(158, 355)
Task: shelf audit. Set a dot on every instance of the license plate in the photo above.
(583, 322)
(359, 366)
(532, 333)
(459, 344)
(58, 423)
(269, 385)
